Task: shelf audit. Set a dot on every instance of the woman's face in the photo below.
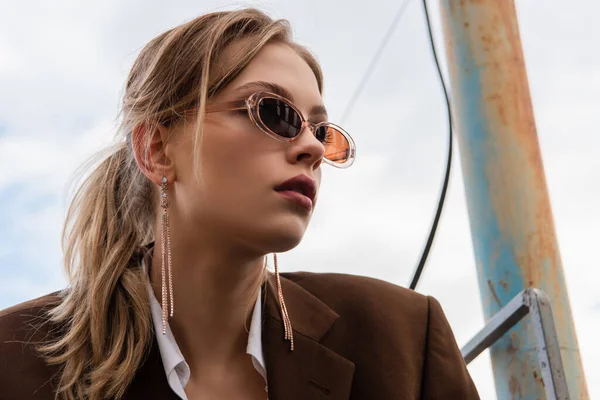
(237, 200)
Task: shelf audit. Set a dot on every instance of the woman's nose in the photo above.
(307, 145)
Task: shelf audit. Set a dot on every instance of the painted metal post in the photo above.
(509, 209)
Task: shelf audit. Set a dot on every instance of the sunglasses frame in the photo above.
(251, 105)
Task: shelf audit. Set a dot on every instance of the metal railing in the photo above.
(536, 303)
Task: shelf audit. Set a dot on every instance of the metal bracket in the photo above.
(534, 302)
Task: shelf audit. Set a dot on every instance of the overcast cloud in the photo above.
(62, 70)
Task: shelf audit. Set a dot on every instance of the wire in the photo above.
(357, 94)
(438, 213)
(374, 61)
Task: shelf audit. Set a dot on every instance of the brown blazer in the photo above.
(356, 338)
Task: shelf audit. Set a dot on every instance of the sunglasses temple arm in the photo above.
(228, 106)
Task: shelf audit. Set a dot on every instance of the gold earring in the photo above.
(287, 323)
(166, 258)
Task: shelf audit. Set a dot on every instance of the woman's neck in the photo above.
(214, 295)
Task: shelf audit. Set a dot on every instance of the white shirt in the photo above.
(177, 370)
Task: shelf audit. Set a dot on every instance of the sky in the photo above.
(62, 71)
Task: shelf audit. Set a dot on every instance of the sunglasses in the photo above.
(279, 118)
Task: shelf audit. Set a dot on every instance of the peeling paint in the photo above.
(504, 285)
(491, 286)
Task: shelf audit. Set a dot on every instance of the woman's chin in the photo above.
(282, 240)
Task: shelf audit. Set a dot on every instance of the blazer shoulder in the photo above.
(354, 283)
(24, 374)
(18, 318)
(347, 293)
(26, 323)
(33, 304)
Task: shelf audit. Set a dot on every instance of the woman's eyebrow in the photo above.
(278, 90)
(318, 110)
(266, 86)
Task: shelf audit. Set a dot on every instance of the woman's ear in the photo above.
(151, 150)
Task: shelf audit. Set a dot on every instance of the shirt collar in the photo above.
(173, 362)
(254, 347)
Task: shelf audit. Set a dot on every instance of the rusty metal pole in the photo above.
(509, 209)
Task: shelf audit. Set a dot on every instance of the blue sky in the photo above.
(62, 69)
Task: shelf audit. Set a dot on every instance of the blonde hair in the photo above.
(105, 310)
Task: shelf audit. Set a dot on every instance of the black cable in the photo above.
(438, 213)
(374, 61)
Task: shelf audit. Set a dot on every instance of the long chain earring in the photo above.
(166, 258)
(287, 323)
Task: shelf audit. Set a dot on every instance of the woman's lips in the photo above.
(298, 198)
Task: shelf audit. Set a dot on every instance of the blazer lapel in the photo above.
(311, 371)
(150, 381)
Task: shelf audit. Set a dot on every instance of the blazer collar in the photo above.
(311, 371)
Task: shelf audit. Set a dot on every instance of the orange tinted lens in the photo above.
(337, 147)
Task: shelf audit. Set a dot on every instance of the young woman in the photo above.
(223, 137)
